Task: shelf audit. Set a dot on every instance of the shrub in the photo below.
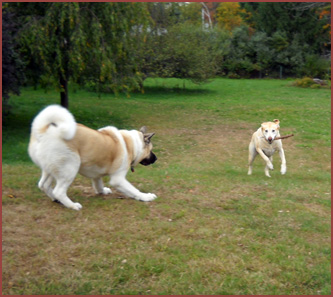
(183, 51)
(307, 82)
(233, 75)
(315, 86)
(315, 66)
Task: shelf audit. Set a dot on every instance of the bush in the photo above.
(315, 86)
(315, 66)
(307, 82)
(233, 75)
(183, 51)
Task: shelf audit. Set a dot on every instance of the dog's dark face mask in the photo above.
(151, 159)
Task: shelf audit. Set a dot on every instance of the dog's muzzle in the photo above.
(150, 160)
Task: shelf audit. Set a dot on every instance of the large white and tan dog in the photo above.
(263, 143)
(62, 148)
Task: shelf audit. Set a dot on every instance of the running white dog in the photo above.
(62, 148)
(263, 143)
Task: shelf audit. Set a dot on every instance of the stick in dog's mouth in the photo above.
(279, 137)
(283, 137)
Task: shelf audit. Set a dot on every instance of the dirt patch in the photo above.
(218, 141)
(226, 140)
(317, 209)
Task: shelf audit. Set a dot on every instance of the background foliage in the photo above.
(81, 42)
(12, 64)
(114, 47)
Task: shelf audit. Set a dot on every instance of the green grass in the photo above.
(212, 230)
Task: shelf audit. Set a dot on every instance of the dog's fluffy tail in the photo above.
(56, 121)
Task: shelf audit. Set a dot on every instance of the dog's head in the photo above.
(270, 130)
(147, 157)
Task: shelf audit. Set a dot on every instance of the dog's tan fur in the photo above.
(90, 146)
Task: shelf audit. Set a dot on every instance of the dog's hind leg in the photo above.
(64, 176)
(283, 160)
(60, 194)
(252, 155)
(45, 184)
(99, 187)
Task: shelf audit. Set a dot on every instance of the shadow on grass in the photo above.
(16, 123)
(164, 90)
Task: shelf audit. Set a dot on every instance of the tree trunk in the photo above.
(64, 92)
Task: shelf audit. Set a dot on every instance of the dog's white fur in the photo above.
(263, 143)
(62, 148)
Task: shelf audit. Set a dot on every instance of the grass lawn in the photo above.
(212, 229)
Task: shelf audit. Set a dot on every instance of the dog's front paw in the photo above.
(146, 197)
(283, 169)
(270, 166)
(76, 206)
(106, 191)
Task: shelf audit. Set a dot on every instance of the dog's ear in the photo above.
(277, 122)
(143, 129)
(147, 137)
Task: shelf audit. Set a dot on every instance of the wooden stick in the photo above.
(283, 137)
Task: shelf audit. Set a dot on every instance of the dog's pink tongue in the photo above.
(132, 168)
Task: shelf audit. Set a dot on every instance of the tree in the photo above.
(183, 51)
(191, 13)
(178, 47)
(83, 42)
(254, 54)
(163, 14)
(230, 15)
(244, 51)
(284, 17)
(283, 39)
(12, 65)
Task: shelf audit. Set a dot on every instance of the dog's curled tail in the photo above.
(54, 120)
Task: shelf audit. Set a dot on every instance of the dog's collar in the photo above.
(132, 166)
(134, 163)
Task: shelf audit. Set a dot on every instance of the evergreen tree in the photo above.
(286, 18)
